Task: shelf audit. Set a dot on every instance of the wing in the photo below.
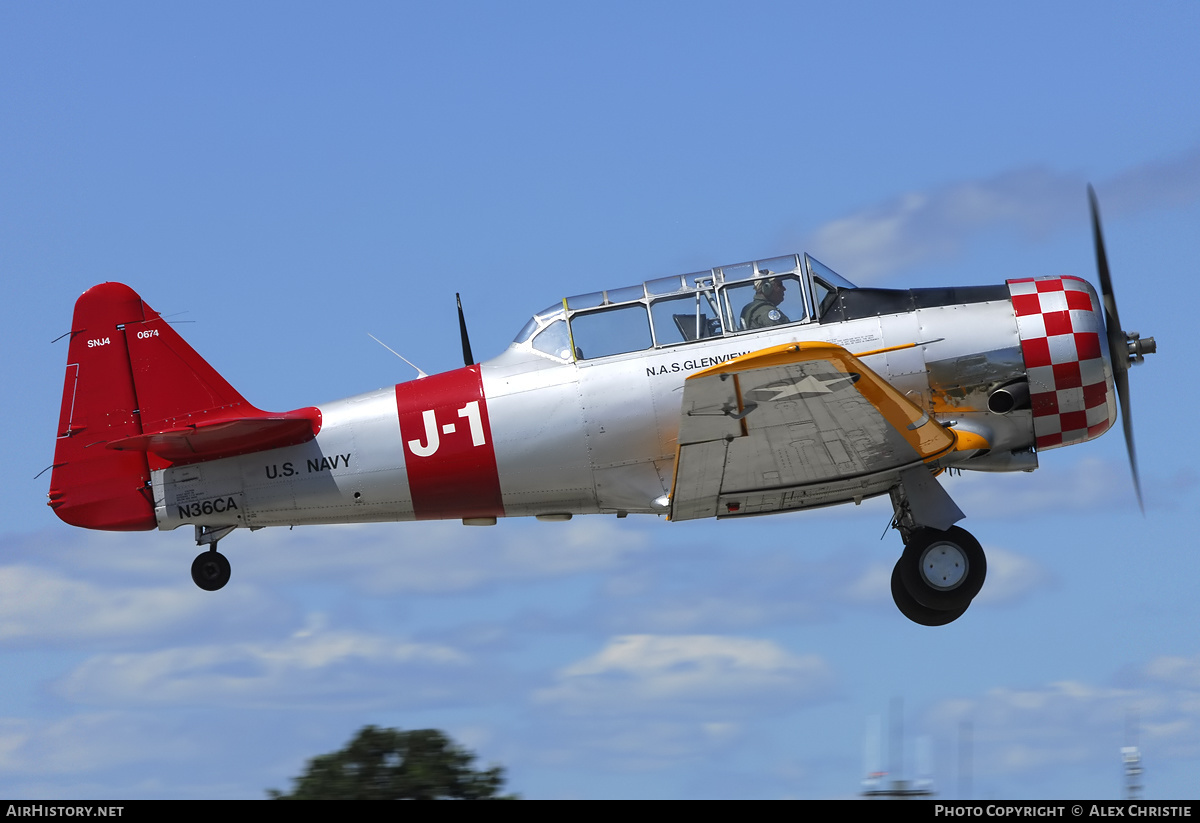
(791, 427)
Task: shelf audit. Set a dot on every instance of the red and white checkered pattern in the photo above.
(1061, 324)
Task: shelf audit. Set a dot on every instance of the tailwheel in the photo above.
(914, 611)
(942, 570)
(210, 570)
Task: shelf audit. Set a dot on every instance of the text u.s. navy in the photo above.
(316, 464)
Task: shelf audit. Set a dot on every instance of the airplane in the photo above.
(768, 386)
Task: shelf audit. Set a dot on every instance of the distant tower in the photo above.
(888, 785)
(965, 766)
(1131, 760)
(872, 757)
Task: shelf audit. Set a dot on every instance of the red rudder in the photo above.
(93, 486)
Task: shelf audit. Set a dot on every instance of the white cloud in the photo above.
(1177, 671)
(681, 612)
(310, 668)
(649, 702)
(638, 744)
(1074, 722)
(77, 743)
(656, 673)
(779, 571)
(381, 558)
(443, 556)
(1021, 730)
(1011, 576)
(123, 558)
(919, 227)
(1174, 181)
(923, 227)
(1088, 484)
(44, 606)
(873, 584)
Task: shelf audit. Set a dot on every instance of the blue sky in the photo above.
(284, 178)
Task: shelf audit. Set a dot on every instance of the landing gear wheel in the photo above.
(914, 611)
(210, 570)
(943, 570)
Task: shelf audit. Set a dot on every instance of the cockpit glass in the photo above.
(681, 309)
(586, 301)
(742, 271)
(540, 319)
(612, 331)
(665, 285)
(685, 318)
(766, 302)
(832, 278)
(826, 283)
(526, 330)
(779, 265)
(554, 340)
(628, 293)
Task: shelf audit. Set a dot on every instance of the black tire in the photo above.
(210, 570)
(943, 570)
(914, 611)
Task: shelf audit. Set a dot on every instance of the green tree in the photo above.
(390, 764)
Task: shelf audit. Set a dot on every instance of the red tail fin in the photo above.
(137, 397)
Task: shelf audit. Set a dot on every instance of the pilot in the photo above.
(763, 311)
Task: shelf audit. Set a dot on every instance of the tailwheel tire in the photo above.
(943, 570)
(210, 570)
(914, 611)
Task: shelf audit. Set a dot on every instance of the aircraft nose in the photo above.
(1060, 321)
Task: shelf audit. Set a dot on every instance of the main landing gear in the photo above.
(210, 569)
(938, 575)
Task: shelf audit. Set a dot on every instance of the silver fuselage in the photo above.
(526, 433)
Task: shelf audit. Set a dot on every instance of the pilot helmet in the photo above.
(766, 279)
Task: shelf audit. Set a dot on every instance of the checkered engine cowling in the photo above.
(1061, 324)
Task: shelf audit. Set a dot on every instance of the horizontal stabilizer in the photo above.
(225, 438)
